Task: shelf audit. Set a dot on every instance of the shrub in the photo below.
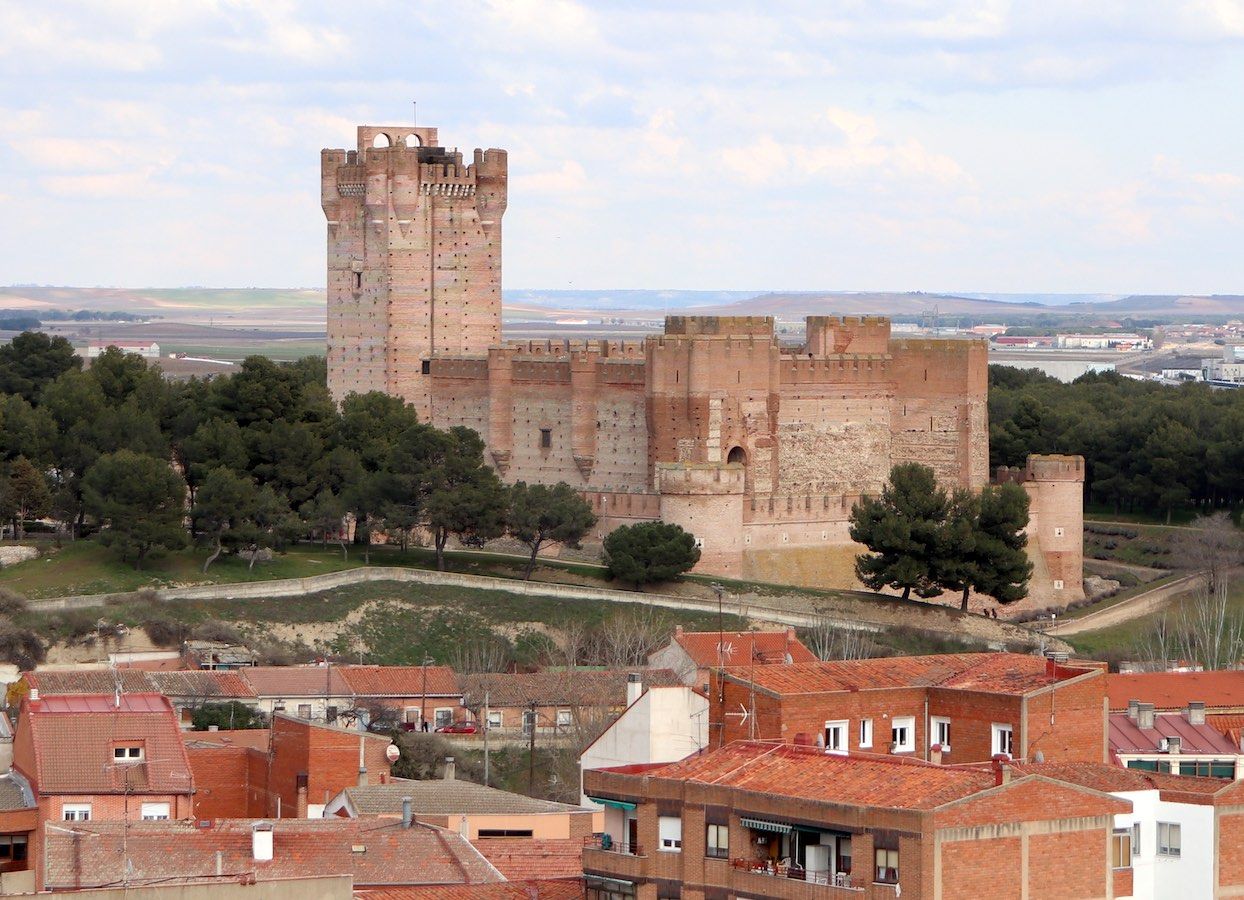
(648, 552)
(231, 715)
(216, 630)
(11, 602)
(21, 646)
(166, 632)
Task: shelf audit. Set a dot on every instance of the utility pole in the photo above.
(423, 698)
(719, 590)
(531, 751)
(487, 759)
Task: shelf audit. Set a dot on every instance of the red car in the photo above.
(458, 728)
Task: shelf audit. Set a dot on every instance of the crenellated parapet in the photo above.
(829, 335)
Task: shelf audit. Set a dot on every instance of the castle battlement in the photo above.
(719, 326)
(842, 369)
(699, 478)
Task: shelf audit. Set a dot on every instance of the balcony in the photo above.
(746, 870)
(602, 854)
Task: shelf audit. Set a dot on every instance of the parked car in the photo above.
(458, 728)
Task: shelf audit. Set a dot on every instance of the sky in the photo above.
(982, 145)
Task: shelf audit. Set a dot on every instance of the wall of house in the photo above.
(1229, 852)
(1067, 723)
(114, 806)
(230, 782)
(328, 756)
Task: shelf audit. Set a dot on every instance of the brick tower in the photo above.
(414, 259)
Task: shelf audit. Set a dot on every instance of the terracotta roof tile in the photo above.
(400, 681)
(1230, 724)
(525, 859)
(570, 687)
(1128, 737)
(742, 647)
(255, 738)
(1222, 691)
(202, 684)
(89, 854)
(999, 673)
(1116, 779)
(74, 737)
(296, 681)
(89, 681)
(807, 773)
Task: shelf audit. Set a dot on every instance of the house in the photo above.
(474, 810)
(693, 653)
(315, 693)
(414, 693)
(216, 655)
(764, 819)
(145, 349)
(660, 724)
(89, 756)
(1179, 743)
(968, 706)
(385, 855)
(19, 822)
(191, 689)
(554, 702)
(1181, 837)
(1221, 692)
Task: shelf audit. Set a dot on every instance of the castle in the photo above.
(757, 448)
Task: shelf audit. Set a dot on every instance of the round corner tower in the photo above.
(414, 259)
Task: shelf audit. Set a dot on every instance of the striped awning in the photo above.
(616, 804)
(762, 825)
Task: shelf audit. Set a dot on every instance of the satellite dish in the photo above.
(391, 753)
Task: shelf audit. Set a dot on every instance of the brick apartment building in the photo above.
(693, 653)
(762, 819)
(969, 706)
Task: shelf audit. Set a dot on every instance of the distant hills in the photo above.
(305, 307)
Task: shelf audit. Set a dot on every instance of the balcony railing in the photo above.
(797, 873)
(607, 843)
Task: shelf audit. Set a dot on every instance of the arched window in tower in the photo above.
(381, 140)
(737, 455)
(412, 141)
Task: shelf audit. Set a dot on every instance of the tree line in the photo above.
(1148, 447)
(256, 459)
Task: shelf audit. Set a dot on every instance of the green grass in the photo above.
(1105, 513)
(1123, 594)
(1123, 639)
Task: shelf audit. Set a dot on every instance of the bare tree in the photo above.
(1212, 545)
(830, 640)
(1156, 649)
(573, 639)
(627, 637)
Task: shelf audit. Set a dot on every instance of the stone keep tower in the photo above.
(414, 259)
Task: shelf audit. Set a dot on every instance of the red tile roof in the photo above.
(743, 647)
(1128, 737)
(74, 736)
(89, 681)
(570, 687)
(89, 854)
(296, 681)
(202, 684)
(1223, 691)
(1230, 724)
(521, 859)
(1116, 779)
(401, 681)
(256, 738)
(810, 774)
(999, 673)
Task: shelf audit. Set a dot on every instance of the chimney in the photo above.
(1196, 712)
(450, 769)
(935, 754)
(408, 815)
(1144, 715)
(261, 841)
(677, 631)
(1174, 745)
(301, 781)
(1001, 771)
(634, 687)
(1133, 707)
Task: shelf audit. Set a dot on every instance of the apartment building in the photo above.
(692, 654)
(963, 707)
(762, 819)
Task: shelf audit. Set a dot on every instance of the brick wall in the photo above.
(328, 756)
(1067, 723)
(982, 868)
(230, 782)
(1230, 847)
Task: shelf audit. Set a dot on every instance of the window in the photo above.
(1168, 839)
(903, 734)
(669, 834)
(75, 812)
(1003, 740)
(717, 841)
(564, 719)
(546, 438)
(529, 720)
(1121, 848)
(127, 753)
(1058, 584)
(444, 717)
(836, 737)
(505, 832)
(940, 733)
(13, 846)
(1058, 532)
(1136, 839)
(155, 812)
(304, 710)
(494, 718)
(885, 849)
(866, 732)
(330, 714)
(1217, 768)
